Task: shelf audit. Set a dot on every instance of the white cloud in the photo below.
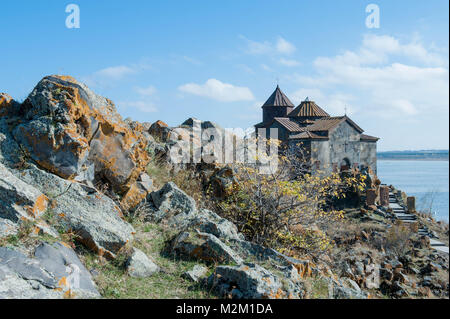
(381, 72)
(334, 103)
(281, 46)
(115, 72)
(143, 106)
(289, 62)
(218, 90)
(111, 75)
(284, 46)
(265, 67)
(146, 91)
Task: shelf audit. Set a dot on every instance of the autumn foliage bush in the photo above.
(286, 208)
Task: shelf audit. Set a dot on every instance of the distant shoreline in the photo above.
(421, 155)
(413, 159)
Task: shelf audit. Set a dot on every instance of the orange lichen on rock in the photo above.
(133, 197)
(39, 207)
(5, 103)
(76, 127)
(304, 269)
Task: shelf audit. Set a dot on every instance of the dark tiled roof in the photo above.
(309, 109)
(289, 124)
(365, 137)
(328, 123)
(278, 98)
(306, 136)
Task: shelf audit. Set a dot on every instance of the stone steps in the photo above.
(400, 213)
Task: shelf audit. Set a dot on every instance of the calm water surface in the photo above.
(427, 180)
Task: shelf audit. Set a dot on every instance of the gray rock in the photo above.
(68, 129)
(60, 261)
(172, 205)
(7, 228)
(253, 281)
(52, 272)
(13, 286)
(209, 222)
(352, 284)
(92, 215)
(18, 199)
(205, 247)
(196, 273)
(141, 266)
(10, 152)
(146, 182)
(337, 290)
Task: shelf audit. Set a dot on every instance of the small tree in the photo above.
(288, 207)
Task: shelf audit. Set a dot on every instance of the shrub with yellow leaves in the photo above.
(288, 207)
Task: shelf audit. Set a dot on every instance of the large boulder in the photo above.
(207, 221)
(172, 205)
(159, 130)
(204, 247)
(53, 271)
(248, 281)
(93, 216)
(74, 133)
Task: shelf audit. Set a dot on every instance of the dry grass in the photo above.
(113, 281)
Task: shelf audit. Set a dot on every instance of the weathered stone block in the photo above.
(370, 197)
(384, 196)
(411, 204)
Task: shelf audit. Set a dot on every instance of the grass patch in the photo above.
(113, 281)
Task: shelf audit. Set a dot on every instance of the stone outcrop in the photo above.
(93, 216)
(209, 222)
(53, 271)
(249, 281)
(172, 205)
(205, 247)
(74, 133)
(19, 200)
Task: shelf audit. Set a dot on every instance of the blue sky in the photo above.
(220, 60)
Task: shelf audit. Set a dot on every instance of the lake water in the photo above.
(427, 180)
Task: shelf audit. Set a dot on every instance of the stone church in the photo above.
(332, 143)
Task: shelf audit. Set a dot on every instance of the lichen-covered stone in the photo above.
(209, 222)
(54, 271)
(252, 281)
(7, 228)
(172, 205)
(160, 130)
(95, 218)
(19, 200)
(204, 247)
(66, 127)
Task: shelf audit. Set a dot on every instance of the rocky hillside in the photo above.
(91, 206)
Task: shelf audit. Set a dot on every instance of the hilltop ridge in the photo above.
(84, 192)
